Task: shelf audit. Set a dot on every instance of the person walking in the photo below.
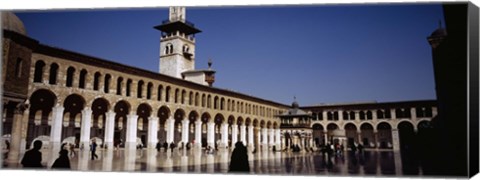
(33, 157)
(62, 162)
(93, 148)
(239, 159)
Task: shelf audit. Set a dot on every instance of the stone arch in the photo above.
(206, 118)
(406, 134)
(351, 134)
(42, 102)
(192, 119)
(121, 109)
(240, 120)
(269, 124)
(367, 134)
(179, 116)
(318, 134)
(99, 108)
(144, 112)
(73, 104)
(275, 125)
(218, 120)
(384, 134)
(163, 114)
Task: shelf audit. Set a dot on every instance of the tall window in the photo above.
(149, 90)
(81, 82)
(70, 73)
(159, 93)
(106, 87)
(119, 85)
(39, 65)
(96, 80)
(129, 84)
(139, 89)
(53, 74)
(167, 94)
(18, 68)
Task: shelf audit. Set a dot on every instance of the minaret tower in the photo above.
(177, 43)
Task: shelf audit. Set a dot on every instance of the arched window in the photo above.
(139, 89)
(380, 114)
(149, 90)
(106, 87)
(53, 74)
(184, 93)
(197, 97)
(159, 92)
(129, 87)
(215, 102)
(222, 103)
(167, 94)
(96, 81)
(209, 101)
(171, 49)
(369, 114)
(203, 100)
(177, 95)
(18, 68)
(362, 115)
(190, 98)
(119, 85)
(38, 75)
(345, 115)
(81, 81)
(186, 49)
(70, 74)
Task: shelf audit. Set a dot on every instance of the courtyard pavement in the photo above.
(372, 163)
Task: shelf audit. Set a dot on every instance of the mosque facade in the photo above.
(60, 96)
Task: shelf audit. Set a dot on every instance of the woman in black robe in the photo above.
(239, 160)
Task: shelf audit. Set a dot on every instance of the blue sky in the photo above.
(318, 53)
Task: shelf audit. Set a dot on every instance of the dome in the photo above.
(440, 32)
(295, 104)
(11, 22)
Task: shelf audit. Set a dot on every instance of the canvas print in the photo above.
(323, 90)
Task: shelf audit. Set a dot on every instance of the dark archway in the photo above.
(179, 116)
(318, 135)
(367, 135)
(72, 116)
(143, 111)
(122, 109)
(99, 108)
(205, 120)
(41, 103)
(192, 118)
(163, 114)
(351, 134)
(384, 135)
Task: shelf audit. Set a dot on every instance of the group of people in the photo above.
(33, 157)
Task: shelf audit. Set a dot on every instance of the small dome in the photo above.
(11, 22)
(295, 104)
(440, 32)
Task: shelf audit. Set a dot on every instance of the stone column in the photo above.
(277, 136)
(272, 137)
(56, 127)
(234, 134)
(109, 129)
(250, 135)
(185, 131)
(14, 151)
(340, 115)
(131, 139)
(393, 114)
(243, 134)
(152, 132)
(325, 138)
(359, 134)
(170, 123)
(198, 133)
(264, 137)
(85, 126)
(211, 134)
(224, 135)
(413, 114)
(395, 140)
